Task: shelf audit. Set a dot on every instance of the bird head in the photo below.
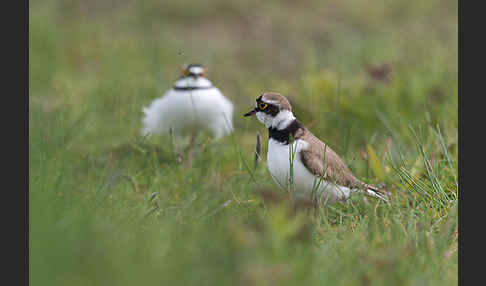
(273, 110)
(194, 70)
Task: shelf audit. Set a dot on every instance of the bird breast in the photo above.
(279, 159)
(186, 110)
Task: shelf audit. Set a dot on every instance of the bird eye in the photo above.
(262, 105)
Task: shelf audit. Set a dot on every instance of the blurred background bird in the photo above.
(192, 105)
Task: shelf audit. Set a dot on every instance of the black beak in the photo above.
(251, 112)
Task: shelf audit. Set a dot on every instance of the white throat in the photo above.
(280, 121)
(196, 82)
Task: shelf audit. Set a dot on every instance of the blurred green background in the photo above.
(376, 80)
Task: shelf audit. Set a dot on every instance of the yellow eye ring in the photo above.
(262, 105)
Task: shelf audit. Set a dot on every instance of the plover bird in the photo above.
(193, 104)
(299, 160)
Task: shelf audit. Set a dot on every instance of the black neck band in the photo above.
(191, 87)
(282, 136)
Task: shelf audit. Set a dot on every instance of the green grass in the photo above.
(108, 207)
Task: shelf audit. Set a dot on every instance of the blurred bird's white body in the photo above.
(192, 105)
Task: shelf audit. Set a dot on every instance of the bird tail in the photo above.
(375, 193)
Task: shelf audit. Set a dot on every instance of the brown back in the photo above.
(323, 162)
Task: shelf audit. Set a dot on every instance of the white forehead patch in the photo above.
(196, 70)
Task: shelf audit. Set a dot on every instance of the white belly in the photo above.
(304, 182)
(188, 111)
